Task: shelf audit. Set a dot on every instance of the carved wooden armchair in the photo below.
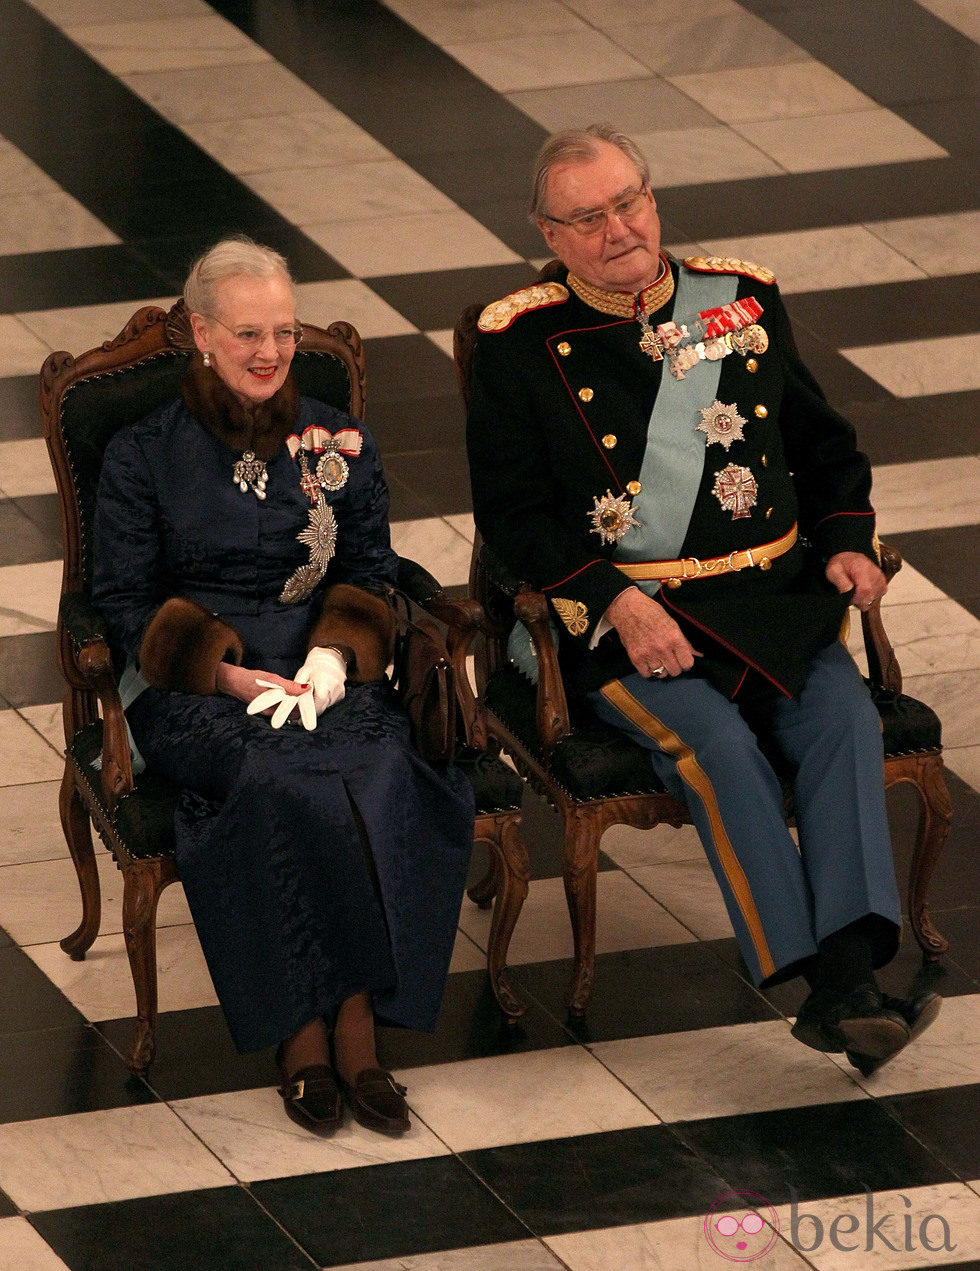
(595, 777)
(84, 401)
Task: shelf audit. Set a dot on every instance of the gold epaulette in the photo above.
(729, 265)
(499, 315)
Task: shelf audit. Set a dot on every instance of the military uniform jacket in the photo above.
(559, 411)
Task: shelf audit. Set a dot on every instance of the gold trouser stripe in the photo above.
(695, 777)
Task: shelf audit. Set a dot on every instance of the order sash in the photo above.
(673, 463)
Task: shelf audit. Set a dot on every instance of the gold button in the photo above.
(761, 411)
(751, 364)
(673, 582)
(765, 563)
(609, 440)
(564, 348)
(765, 462)
(633, 487)
(768, 513)
(586, 394)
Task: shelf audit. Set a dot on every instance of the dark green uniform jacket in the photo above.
(559, 412)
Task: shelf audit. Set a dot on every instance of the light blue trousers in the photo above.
(781, 899)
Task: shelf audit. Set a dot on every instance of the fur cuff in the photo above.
(183, 645)
(363, 621)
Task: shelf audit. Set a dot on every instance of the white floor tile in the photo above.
(914, 368)
(25, 469)
(935, 637)
(311, 140)
(72, 12)
(728, 1071)
(687, 890)
(350, 300)
(926, 495)
(917, 1228)
(691, 156)
(47, 720)
(517, 1255)
(26, 756)
(48, 221)
(251, 1134)
(21, 351)
(92, 1157)
(514, 63)
(793, 90)
(490, 20)
(521, 1098)
(29, 597)
(411, 244)
(850, 139)
(30, 827)
(164, 44)
(434, 544)
(86, 326)
(21, 1248)
(685, 41)
(965, 762)
(351, 191)
(101, 987)
(955, 699)
(629, 847)
(939, 245)
(243, 93)
(820, 259)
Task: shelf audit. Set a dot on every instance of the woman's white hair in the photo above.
(236, 257)
(576, 145)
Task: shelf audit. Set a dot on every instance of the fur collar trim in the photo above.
(262, 429)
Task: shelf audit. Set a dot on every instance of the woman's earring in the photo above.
(206, 358)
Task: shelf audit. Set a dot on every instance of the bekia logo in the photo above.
(742, 1226)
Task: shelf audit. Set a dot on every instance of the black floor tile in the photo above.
(434, 301)
(599, 1180)
(29, 674)
(7, 1207)
(195, 1055)
(646, 992)
(406, 368)
(910, 429)
(843, 383)
(5, 940)
(470, 1026)
(383, 1211)
(423, 423)
(223, 1229)
(834, 1149)
(961, 927)
(43, 511)
(951, 124)
(77, 276)
(923, 308)
(55, 1072)
(438, 480)
(946, 1123)
(22, 541)
(948, 558)
(20, 418)
(28, 999)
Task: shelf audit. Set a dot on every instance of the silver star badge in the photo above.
(721, 423)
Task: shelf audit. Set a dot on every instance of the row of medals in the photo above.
(320, 535)
(735, 487)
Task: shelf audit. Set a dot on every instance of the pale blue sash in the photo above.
(674, 460)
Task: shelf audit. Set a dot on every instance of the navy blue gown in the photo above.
(316, 864)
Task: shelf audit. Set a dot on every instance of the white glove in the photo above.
(326, 673)
(285, 703)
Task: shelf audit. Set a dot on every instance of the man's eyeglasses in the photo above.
(625, 206)
(250, 339)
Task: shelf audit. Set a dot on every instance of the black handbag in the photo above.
(424, 679)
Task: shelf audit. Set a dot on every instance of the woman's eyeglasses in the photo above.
(249, 338)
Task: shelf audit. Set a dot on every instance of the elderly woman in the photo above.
(243, 563)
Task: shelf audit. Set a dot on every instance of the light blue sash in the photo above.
(674, 460)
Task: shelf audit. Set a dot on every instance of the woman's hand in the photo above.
(266, 692)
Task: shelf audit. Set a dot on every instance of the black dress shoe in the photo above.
(918, 1013)
(378, 1101)
(859, 1022)
(311, 1098)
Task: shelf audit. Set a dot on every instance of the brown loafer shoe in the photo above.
(378, 1102)
(311, 1098)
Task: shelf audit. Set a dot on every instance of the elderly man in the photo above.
(647, 448)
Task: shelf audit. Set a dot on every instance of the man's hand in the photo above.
(655, 643)
(853, 569)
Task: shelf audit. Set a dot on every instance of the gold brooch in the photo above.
(611, 517)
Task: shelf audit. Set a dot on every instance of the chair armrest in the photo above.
(552, 703)
(87, 631)
(883, 668)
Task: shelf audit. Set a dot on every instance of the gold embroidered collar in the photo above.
(623, 304)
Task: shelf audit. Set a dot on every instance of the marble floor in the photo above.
(384, 149)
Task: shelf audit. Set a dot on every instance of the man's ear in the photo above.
(549, 233)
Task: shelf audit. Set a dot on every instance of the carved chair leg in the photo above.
(483, 892)
(514, 873)
(142, 885)
(935, 815)
(78, 835)
(580, 862)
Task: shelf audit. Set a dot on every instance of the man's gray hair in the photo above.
(575, 145)
(235, 257)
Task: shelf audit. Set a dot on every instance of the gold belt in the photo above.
(675, 572)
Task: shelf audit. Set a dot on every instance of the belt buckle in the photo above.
(698, 567)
